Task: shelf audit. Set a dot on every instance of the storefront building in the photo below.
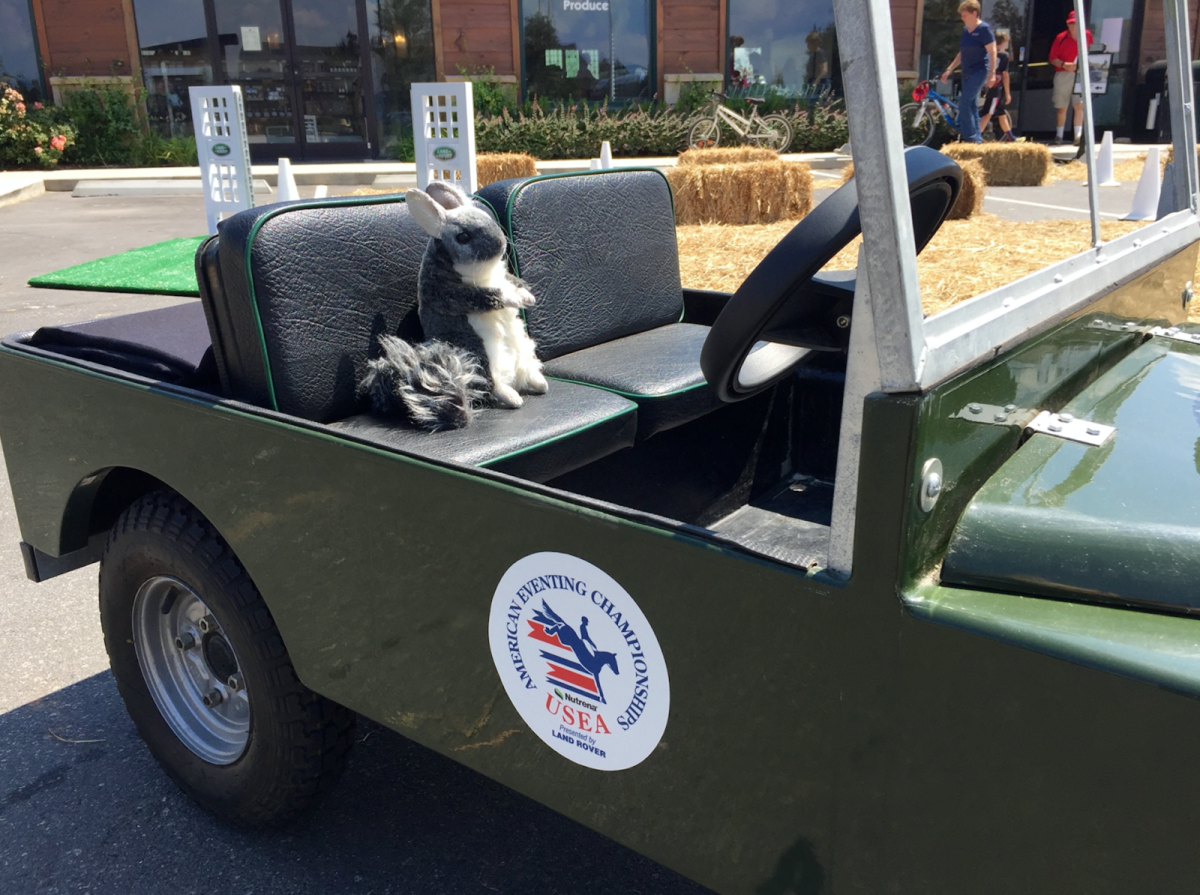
(329, 79)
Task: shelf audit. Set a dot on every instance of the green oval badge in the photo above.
(221, 149)
(444, 153)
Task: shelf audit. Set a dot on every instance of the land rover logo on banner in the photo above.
(579, 661)
(221, 149)
(444, 153)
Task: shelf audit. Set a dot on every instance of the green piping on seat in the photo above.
(631, 395)
(571, 434)
(253, 234)
(512, 246)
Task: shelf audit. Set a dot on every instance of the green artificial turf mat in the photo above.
(165, 268)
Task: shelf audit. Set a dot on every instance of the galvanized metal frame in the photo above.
(912, 353)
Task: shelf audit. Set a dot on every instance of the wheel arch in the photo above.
(98, 499)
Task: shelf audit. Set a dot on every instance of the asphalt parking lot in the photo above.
(83, 808)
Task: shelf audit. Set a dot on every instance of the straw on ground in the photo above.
(964, 259)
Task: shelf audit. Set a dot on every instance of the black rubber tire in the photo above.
(704, 134)
(782, 128)
(915, 134)
(298, 740)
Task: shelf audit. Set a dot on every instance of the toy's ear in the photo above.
(448, 195)
(425, 212)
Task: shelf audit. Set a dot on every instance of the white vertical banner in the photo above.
(444, 134)
(219, 119)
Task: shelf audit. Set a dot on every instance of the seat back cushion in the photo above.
(305, 289)
(598, 250)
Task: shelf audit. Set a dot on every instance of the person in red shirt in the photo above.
(1064, 57)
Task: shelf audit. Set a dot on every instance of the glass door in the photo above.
(300, 66)
(256, 56)
(328, 62)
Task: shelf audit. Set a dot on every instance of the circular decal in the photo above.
(444, 153)
(221, 149)
(579, 661)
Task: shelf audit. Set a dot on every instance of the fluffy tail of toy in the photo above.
(437, 385)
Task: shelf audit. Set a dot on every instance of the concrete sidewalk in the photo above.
(18, 185)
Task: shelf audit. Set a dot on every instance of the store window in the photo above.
(18, 50)
(174, 46)
(587, 50)
(401, 34)
(782, 46)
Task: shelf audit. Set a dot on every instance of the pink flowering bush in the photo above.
(30, 137)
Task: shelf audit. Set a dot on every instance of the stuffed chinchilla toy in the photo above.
(469, 306)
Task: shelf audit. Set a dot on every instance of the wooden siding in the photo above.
(1154, 35)
(478, 35)
(690, 36)
(906, 24)
(84, 37)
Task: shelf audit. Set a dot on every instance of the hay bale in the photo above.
(970, 197)
(493, 166)
(735, 155)
(1007, 164)
(746, 193)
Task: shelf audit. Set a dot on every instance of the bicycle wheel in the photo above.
(777, 132)
(705, 134)
(916, 124)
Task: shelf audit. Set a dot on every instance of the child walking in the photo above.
(995, 103)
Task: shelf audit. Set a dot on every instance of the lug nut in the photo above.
(212, 698)
(1065, 417)
(234, 683)
(1092, 430)
(975, 408)
(185, 641)
(208, 624)
(843, 322)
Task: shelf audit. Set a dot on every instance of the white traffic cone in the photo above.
(1104, 162)
(594, 165)
(1145, 200)
(605, 155)
(286, 190)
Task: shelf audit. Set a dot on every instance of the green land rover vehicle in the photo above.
(779, 587)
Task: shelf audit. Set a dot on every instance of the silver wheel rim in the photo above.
(191, 670)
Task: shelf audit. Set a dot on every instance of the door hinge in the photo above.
(1060, 425)
(1066, 426)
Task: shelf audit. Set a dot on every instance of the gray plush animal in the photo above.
(469, 306)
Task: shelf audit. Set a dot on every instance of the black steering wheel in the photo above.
(785, 310)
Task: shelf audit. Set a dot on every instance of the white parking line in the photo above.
(1084, 211)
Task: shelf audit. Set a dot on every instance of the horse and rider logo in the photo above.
(579, 661)
(581, 676)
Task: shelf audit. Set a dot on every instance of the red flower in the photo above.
(37, 149)
(21, 107)
(58, 143)
(37, 105)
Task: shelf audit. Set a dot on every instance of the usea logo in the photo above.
(444, 153)
(221, 149)
(579, 661)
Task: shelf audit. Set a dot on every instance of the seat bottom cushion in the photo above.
(551, 435)
(659, 369)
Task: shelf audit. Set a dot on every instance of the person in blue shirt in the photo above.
(977, 53)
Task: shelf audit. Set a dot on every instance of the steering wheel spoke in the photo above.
(787, 308)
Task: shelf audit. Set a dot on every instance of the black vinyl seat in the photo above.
(599, 251)
(296, 295)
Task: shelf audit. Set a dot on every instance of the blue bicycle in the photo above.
(918, 119)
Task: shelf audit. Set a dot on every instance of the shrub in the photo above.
(108, 124)
(577, 131)
(154, 150)
(30, 135)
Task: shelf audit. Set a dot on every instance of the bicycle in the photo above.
(918, 119)
(772, 131)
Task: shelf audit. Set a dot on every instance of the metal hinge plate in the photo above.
(1064, 425)
(1174, 332)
